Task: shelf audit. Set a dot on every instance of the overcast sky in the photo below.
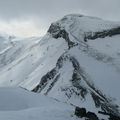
(33, 17)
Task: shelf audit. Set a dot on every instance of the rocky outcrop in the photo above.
(102, 34)
(57, 31)
(111, 115)
(91, 116)
(82, 113)
(50, 75)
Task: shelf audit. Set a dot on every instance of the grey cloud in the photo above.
(43, 12)
(56, 8)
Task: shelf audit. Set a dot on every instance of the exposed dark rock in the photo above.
(54, 28)
(61, 59)
(48, 76)
(52, 84)
(36, 88)
(57, 31)
(43, 82)
(102, 34)
(80, 112)
(76, 78)
(91, 116)
(96, 99)
(111, 116)
(99, 98)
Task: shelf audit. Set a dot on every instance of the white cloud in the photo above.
(24, 28)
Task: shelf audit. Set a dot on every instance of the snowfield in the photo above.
(19, 104)
(26, 59)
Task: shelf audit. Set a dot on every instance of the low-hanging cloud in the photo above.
(43, 12)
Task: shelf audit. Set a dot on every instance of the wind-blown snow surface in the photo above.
(19, 104)
(25, 60)
(77, 61)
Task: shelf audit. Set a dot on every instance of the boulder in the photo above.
(91, 116)
(80, 112)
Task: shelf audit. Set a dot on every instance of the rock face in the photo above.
(81, 112)
(91, 116)
(102, 34)
(111, 116)
(57, 31)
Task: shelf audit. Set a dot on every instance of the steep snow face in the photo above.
(77, 62)
(22, 64)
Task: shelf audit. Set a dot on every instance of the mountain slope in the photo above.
(80, 70)
(77, 61)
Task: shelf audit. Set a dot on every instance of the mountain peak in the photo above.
(84, 27)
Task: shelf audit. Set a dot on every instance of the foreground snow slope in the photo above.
(19, 104)
(77, 61)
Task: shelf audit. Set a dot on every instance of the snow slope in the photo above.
(27, 58)
(19, 104)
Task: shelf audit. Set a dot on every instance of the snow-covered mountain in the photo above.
(77, 62)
